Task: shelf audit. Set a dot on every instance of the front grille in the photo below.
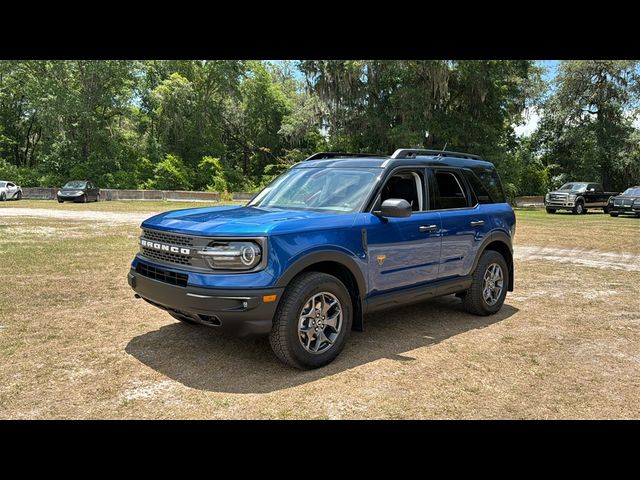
(556, 196)
(621, 202)
(162, 275)
(170, 238)
(166, 256)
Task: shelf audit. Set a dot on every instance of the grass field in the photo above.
(74, 343)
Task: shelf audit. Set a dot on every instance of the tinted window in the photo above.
(449, 191)
(491, 182)
(407, 185)
(478, 188)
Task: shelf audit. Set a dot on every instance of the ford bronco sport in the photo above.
(335, 237)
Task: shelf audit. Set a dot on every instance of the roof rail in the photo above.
(413, 152)
(325, 155)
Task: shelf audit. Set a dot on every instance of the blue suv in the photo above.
(337, 236)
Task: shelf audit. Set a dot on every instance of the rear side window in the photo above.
(490, 184)
(449, 191)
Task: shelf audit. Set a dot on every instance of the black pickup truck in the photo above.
(578, 197)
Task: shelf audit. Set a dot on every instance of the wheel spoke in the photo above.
(326, 306)
(320, 339)
(332, 321)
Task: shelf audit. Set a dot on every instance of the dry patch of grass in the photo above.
(593, 231)
(74, 343)
(150, 206)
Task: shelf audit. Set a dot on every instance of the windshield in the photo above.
(633, 191)
(75, 184)
(575, 187)
(333, 189)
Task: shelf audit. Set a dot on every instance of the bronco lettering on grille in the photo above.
(164, 247)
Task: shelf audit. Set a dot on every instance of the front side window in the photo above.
(332, 189)
(449, 191)
(407, 185)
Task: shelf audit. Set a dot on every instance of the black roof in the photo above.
(388, 162)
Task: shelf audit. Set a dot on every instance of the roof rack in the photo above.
(326, 155)
(413, 152)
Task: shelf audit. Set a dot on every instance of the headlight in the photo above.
(572, 197)
(59, 192)
(546, 197)
(636, 202)
(610, 200)
(232, 255)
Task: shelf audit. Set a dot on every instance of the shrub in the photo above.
(170, 174)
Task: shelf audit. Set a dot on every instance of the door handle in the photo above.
(428, 228)
(477, 223)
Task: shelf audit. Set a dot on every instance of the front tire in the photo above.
(3, 197)
(551, 210)
(613, 214)
(312, 322)
(489, 288)
(579, 209)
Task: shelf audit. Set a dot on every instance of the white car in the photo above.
(9, 191)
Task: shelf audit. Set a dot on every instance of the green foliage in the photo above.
(170, 174)
(228, 125)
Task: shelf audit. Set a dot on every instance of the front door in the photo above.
(403, 252)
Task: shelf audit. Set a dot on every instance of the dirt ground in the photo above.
(74, 343)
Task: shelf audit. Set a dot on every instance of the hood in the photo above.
(245, 221)
(627, 197)
(566, 192)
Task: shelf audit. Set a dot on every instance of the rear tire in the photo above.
(475, 299)
(60, 201)
(312, 297)
(97, 197)
(19, 196)
(551, 210)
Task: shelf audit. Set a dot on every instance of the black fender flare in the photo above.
(324, 256)
(502, 237)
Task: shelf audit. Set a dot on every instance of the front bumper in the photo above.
(70, 198)
(559, 205)
(240, 312)
(622, 210)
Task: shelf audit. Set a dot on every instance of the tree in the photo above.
(587, 122)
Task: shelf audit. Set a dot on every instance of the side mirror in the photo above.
(395, 207)
(592, 189)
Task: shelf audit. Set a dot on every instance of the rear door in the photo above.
(403, 252)
(465, 221)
